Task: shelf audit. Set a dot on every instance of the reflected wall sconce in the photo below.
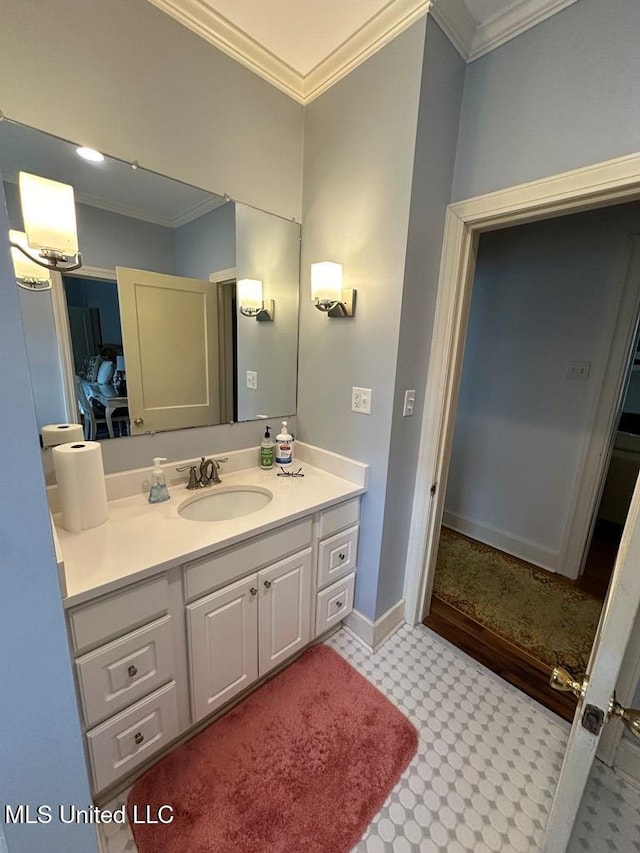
(327, 292)
(251, 302)
(49, 215)
(29, 275)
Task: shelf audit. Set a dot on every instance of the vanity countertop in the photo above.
(140, 539)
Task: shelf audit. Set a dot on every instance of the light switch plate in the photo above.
(361, 400)
(409, 403)
(579, 370)
(252, 380)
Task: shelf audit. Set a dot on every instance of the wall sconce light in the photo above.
(327, 292)
(251, 302)
(29, 275)
(49, 215)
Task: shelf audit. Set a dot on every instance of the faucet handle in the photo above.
(195, 482)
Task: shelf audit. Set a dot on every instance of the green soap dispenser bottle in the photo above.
(267, 450)
(159, 491)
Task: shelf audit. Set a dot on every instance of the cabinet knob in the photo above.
(267, 584)
(253, 590)
(138, 737)
(342, 556)
(138, 422)
(133, 670)
(338, 604)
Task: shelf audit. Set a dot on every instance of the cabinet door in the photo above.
(285, 593)
(223, 639)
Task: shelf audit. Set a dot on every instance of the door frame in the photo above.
(599, 185)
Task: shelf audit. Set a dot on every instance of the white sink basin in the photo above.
(220, 503)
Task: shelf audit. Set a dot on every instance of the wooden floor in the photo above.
(512, 663)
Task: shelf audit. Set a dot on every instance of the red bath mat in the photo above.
(301, 766)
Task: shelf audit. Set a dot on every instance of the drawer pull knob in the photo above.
(138, 737)
(338, 604)
(267, 584)
(342, 556)
(133, 671)
(253, 590)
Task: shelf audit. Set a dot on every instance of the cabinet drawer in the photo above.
(337, 556)
(124, 742)
(95, 623)
(338, 517)
(333, 603)
(213, 572)
(124, 671)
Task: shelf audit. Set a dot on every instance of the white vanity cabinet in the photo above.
(129, 684)
(256, 615)
(336, 568)
(241, 632)
(156, 657)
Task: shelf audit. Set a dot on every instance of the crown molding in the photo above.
(511, 22)
(219, 31)
(457, 23)
(471, 39)
(181, 218)
(388, 23)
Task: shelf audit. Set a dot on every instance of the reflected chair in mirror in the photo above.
(93, 413)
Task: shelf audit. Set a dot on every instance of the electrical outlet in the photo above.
(579, 370)
(409, 403)
(361, 400)
(252, 380)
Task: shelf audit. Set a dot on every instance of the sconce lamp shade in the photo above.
(326, 282)
(250, 294)
(49, 214)
(26, 270)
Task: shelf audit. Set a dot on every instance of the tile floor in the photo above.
(486, 767)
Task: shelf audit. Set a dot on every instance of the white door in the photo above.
(616, 622)
(223, 645)
(285, 609)
(170, 339)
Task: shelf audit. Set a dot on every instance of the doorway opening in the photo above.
(546, 306)
(549, 345)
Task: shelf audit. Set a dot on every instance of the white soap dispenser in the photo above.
(284, 446)
(159, 491)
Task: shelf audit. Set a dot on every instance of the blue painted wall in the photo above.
(560, 96)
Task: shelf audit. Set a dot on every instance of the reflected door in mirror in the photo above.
(170, 339)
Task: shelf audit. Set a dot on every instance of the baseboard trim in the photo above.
(627, 761)
(521, 548)
(374, 634)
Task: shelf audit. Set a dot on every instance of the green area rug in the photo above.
(531, 608)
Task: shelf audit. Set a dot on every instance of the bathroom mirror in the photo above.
(145, 239)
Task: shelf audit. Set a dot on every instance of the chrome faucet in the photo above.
(206, 474)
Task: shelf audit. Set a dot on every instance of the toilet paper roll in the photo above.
(81, 487)
(53, 434)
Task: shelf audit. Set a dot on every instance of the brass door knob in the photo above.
(564, 681)
(630, 716)
(138, 422)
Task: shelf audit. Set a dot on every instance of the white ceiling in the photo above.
(304, 46)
